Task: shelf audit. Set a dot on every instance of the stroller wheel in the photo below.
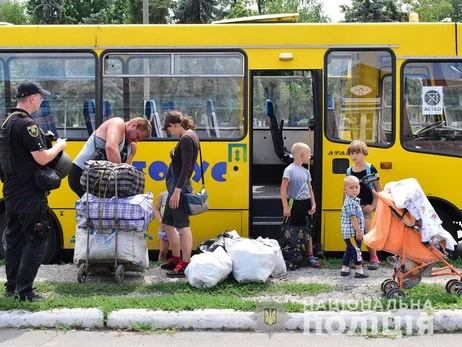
(395, 293)
(388, 285)
(453, 287)
(459, 292)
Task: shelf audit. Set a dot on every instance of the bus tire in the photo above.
(51, 246)
(449, 226)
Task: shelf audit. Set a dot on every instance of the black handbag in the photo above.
(47, 179)
(294, 242)
(196, 203)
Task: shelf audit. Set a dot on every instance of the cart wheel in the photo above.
(82, 273)
(395, 293)
(388, 285)
(119, 273)
(454, 287)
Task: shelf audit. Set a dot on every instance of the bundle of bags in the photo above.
(249, 261)
(130, 213)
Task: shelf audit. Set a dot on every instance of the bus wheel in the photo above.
(50, 246)
(449, 226)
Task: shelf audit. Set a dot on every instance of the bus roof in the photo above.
(267, 18)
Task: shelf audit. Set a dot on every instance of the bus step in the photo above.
(266, 227)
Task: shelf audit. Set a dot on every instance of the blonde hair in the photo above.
(299, 147)
(357, 146)
(349, 179)
(142, 124)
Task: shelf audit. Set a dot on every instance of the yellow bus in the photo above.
(254, 90)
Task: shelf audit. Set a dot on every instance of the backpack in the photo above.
(368, 172)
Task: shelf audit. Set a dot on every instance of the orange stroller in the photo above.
(396, 231)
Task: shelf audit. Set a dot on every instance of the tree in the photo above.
(374, 11)
(159, 11)
(195, 11)
(47, 12)
(430, 10)
(312, 11)
(456, 15)
(80, 9)
(13, 12)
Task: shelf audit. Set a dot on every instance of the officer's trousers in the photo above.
(25, 246)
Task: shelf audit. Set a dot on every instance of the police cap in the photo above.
(30, 88)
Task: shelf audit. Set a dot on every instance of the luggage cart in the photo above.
(85, 266)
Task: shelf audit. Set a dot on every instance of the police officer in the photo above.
(22, 153)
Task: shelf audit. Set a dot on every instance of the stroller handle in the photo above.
(369, 179)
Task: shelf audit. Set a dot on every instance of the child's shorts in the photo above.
(299, 213)
(366, 215)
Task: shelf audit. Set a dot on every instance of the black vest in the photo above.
(8, 162)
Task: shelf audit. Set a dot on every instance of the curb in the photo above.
(84, 318)
(332, 322)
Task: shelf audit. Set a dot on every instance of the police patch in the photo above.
(33, 130)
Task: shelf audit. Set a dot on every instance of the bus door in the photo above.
(359, 106)
(284, 104)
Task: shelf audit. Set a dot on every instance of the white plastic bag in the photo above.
(207, 269)
(253, 261)
(280, 268)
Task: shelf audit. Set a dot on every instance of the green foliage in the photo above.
(312, 11)
(13, 12)
(374, 11)
(81, 10)
(456, 15)
(195, 11)
(159, 11)
(48, 12)
(431, 10)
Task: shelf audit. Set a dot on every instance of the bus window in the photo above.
(359, 88)
(70, 77)
(190, 82)
(432, 107)
(290, 93)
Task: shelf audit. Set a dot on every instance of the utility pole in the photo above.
(145, 61)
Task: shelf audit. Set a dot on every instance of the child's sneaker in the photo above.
(361, 275)
(373, 265)
(313, 262)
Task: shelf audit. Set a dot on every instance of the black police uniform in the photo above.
(26, 205)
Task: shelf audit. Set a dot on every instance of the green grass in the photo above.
(175, 296)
